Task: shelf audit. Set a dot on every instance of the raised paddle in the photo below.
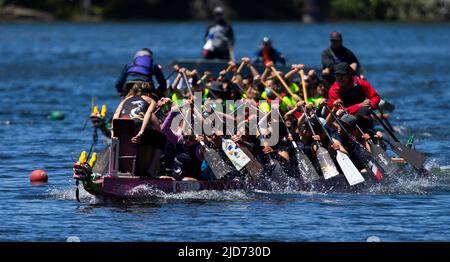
(305, 93)
(219, 168)
(360, 151)
(411, 156)
(283, 83)
(304, 165)
(327, 165)
(241, 66)
(378, 153)
(349, 169)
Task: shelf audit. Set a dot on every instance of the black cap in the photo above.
(342, 69)
(335, 36)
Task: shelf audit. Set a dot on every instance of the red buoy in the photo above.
(38, 176)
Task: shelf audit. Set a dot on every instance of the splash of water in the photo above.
(68, 193)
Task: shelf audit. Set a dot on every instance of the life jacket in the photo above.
(315, 100)
(134, 108)
(141, 65)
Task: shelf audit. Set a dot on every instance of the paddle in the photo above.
(360, 151)
(212, 157)
(304, 165)
(283, 83)
(414, 158)
(327, 165)
(349, 169)
(305, 93)
(385, 119)
(378, 153)
(253, 167)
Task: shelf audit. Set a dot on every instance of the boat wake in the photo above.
(407, 182)
(68, 193)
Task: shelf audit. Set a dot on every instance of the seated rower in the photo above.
(188, 153)
(357, 95)
(137, 105)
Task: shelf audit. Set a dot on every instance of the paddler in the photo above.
(139, 106)
(267, 53)
(357, 95)
(219, 37)
(187, 152)
(335, 54)
(142, 70)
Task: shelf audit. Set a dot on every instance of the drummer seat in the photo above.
(123, 155)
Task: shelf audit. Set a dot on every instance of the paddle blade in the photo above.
(327, 165)
(351, 173)
(383, 159)
(414, 158)
(235, 154)
(219, 168)
(253, 167)
(305, 167)
(368, 160)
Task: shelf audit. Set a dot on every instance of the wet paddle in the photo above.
(327, 165)
(253, 167)
(414, 158)
(349, 169)
(219, 168)
(378, 153)
(304, 165)
(360, 152)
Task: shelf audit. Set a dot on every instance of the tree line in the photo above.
(330, 10)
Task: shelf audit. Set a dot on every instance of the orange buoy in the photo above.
(38, 176)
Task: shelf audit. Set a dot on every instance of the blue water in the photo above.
(46, 67)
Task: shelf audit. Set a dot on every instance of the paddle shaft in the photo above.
(391, 134)
(283, 83)
(187, 83)
(305, 93)
(310, 125)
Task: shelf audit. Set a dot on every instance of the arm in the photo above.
(279, 57)
(167, 131)
(370, 93)
(148, 113)
(327, 60)
(121, 80)
(159, 75)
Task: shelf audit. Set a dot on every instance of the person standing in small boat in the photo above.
(335, 54)
(267, 53)
(219, 37)
(357, 95)
(142, 70)
(139, 106)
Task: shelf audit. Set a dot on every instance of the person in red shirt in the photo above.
(355, 94)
